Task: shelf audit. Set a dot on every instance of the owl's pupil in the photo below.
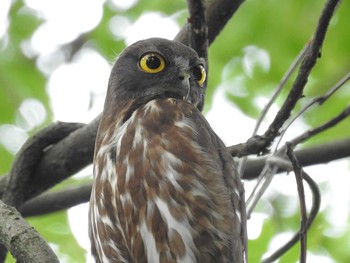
(197, 73)
(153, 62)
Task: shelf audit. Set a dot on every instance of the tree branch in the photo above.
(54, 201)
(15, 231)
(271, 168)
(28, 157)
(197, 28)
(320, 100)
(332, 122)
(197, 31)
(260, 144)
(319, 154)
(61, 160)
(316, 202)
(218, 13)
(303, 214)
(280, 87)
(306, 66)
(26, 161)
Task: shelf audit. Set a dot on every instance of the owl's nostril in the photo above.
(184, 76)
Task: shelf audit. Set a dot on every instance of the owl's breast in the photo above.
(168, 192)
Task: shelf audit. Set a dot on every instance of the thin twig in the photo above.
(320, 100)
(301, 193)
(273, 164)
(264, 181)
(279, 88)
(260, 144)
(265, 177)
(309, 61)
(337, 119)
(337, 86)
(292, 98)
(316, 202)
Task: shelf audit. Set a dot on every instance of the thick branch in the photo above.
(55, 201)
(62, 160)
(28, 157)
(320, 154)
(197, 28)
(197, 35)
(15, 231)
(21, 174)
(218, 13)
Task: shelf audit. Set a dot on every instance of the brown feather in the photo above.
(173, 193)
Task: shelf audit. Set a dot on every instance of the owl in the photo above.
(165, 189)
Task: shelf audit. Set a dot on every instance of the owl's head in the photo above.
(158, 68)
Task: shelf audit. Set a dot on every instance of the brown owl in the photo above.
(165, 188)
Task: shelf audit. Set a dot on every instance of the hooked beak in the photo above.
(185, 80)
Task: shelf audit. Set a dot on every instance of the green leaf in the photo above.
(55, 230)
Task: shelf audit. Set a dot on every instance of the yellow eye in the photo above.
(200, 74)
(152, 63)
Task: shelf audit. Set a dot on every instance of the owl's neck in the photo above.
(115, 114)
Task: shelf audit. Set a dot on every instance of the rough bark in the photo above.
(22, 240)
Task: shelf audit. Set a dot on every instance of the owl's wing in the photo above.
(209, 140)
(170, 190)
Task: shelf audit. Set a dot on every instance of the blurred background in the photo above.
(55, 60)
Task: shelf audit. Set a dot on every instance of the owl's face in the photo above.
(158, 68)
